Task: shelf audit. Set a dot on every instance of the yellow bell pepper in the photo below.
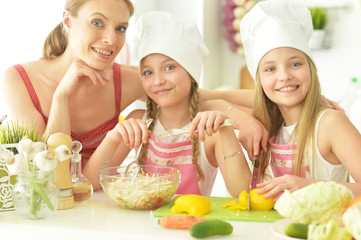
(229, 204)
(192, 204)
(243, 198)
(235, 205)
(238, 206)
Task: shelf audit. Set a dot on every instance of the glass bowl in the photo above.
(152, 187)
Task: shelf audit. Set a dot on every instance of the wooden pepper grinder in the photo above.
(62, 171)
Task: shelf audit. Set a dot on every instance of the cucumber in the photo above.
(210, 228)
(297, 230)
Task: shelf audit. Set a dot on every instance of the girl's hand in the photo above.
(207, 121)
(252, 135)
(77, 74)
(134, 132)
(278, 185)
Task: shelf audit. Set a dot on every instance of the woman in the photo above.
(75, 88)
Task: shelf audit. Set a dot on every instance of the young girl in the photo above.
(308, 142)
(171, 53)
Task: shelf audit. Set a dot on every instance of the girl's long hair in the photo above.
(57, 40)
(152, 112)
(268, 113)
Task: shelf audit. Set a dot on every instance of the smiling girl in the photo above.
(308, 142)
(171, 53)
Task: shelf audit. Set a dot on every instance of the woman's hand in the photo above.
(133, 132)
(331, 104)
(206, 122)
(278, 185)
(77, 74)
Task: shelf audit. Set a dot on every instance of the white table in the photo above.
(100, 219)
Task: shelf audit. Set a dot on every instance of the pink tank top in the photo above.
(91, 139)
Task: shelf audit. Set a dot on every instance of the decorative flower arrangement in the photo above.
(11, 132)
(36, 163)
(234, 11)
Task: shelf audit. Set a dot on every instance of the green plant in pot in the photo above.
(319, 20)
(11, 132)
(319, 17)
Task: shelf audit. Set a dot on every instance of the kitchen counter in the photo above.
(99, 218)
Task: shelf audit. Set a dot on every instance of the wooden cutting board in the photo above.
(217, 212)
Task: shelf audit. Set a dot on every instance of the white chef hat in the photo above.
(272, 24)
(179, 39)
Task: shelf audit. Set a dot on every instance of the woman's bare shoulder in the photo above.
(17, 98)
(130, 73)
(10, 78)
(131, 81)
(29, 67)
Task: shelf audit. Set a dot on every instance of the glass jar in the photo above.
(82, 188)
(35, 195)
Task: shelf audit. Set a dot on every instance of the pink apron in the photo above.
(178, 155)
(282, 156)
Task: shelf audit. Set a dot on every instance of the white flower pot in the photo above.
(317, 40)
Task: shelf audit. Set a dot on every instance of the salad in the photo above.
(144, 191)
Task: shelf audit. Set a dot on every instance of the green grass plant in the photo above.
(13, 132)
(319, 17)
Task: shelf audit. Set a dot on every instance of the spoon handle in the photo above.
(134, 162)
(3, 118)
(148, 122)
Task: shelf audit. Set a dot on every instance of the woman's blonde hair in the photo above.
(57, 40)
(268, 113)
(152, 112)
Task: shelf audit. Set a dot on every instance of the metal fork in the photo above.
(133, 167)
